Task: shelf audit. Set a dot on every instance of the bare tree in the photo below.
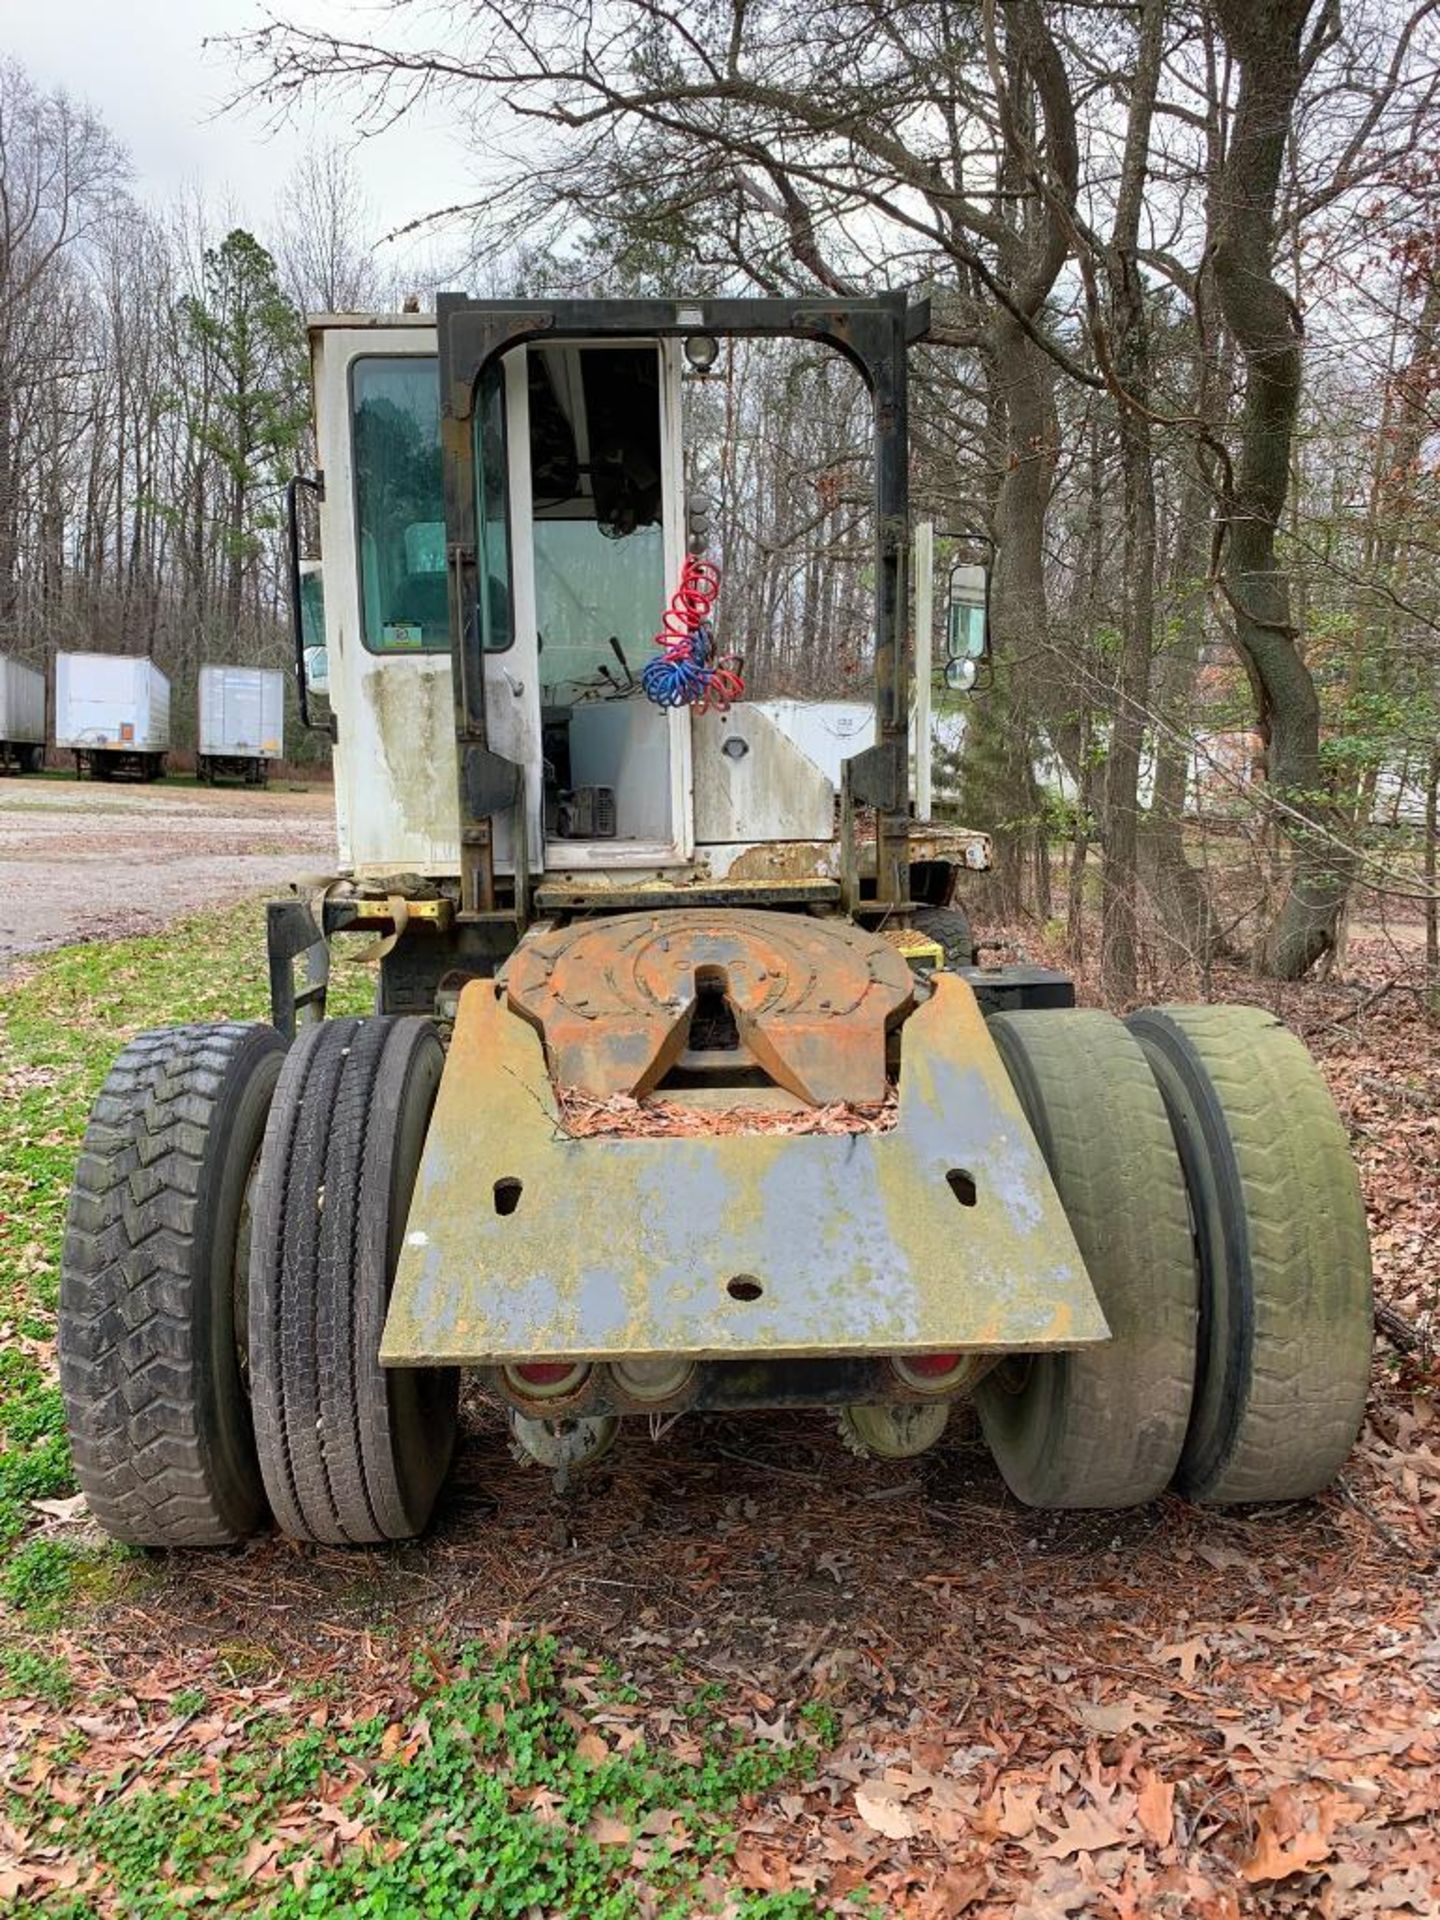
(325, 251)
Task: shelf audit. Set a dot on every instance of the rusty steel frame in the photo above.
(874, 334)
(523, 1243)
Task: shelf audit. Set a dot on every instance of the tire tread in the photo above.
(134, 1255)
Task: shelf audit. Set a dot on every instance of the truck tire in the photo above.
(1102, 1427)
(151, 1318)
(949, 928)
(351, 1453)
(1285, 1305)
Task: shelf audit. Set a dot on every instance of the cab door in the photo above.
(386, 623)
(575, 558)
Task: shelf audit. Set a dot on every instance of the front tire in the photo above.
(1286, 1307)
(351, 1453)
(150, 1351)
(1102, 1427)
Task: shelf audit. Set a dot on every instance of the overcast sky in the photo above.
(142, 65)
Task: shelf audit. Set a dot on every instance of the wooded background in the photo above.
(1184, 263)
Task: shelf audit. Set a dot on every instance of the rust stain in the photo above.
(783, 860)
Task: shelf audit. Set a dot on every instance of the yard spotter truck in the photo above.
(591, 869)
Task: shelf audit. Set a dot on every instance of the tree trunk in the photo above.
(1119, 928)
(1264, 39)
(1181, 897)
(9, 516)
(1000, 791)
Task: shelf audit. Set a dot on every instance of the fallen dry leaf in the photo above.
(884, 1814)
(72, 1509)
(1019, 1808)
(1187, 1655)
(1086, 1830)
(1291, 1836)
(608, 1831)
(1157, 1807)
(959, 1888)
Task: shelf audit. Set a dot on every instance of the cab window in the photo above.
(400, 504)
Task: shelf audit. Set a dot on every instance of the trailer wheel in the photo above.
(1285, 1304)
(949, 927)
(350, 1452)
(151, 1319)
(1102, 1427)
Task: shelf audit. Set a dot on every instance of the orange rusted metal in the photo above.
(812, 999)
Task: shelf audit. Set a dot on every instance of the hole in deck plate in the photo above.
(507, 1194)
(712, 1019)
(744, 1286)
(962, 1185)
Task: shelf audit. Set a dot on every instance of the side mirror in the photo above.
(312, 605)
(967, 626)
(315, 658)
(307, 605)
(317, 671)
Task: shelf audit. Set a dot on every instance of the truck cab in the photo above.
(668, 1103)
(548, 519)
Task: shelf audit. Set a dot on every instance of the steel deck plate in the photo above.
(628, 1246)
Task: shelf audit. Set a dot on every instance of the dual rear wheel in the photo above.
(233, 1233)
(238, 1209)
(1209, 1184)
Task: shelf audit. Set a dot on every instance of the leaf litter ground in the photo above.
(738, 1671)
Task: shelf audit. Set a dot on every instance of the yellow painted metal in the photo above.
(719, 1247)
(383, 913)
(917, 948)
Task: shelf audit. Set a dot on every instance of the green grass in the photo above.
(27, 1675)
(490, 1795)
(61, 1025)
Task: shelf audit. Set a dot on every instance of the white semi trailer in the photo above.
(242, 723)
(22, 717)
(112, 711)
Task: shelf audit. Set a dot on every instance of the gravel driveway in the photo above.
(81, 862)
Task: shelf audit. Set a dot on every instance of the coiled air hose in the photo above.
(687, 672)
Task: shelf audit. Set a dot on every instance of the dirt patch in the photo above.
(81, 863)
